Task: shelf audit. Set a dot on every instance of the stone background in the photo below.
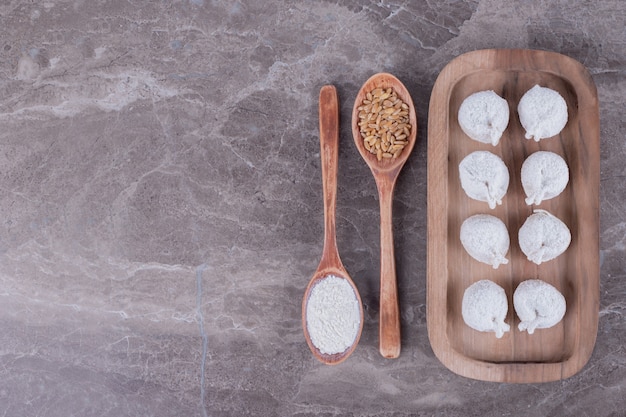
(161, 206)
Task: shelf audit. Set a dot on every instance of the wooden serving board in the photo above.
(548, 354)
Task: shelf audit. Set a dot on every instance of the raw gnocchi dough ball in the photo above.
(484, 307)
(542, 112)
(484, 177)
(538, 305)
(544, 176)
(486, 239)
(484, 116)
(543, 237)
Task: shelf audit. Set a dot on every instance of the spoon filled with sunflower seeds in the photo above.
(384, 127)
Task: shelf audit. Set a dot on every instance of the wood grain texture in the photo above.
(549, 354)
(386, 173)
(330, 264)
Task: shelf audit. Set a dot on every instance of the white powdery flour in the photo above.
(333, 315)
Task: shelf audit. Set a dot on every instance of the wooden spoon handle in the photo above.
(329, 153)
(389, 328)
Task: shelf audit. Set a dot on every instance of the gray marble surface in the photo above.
(161, 205)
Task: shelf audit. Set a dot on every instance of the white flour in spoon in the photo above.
(333, 315)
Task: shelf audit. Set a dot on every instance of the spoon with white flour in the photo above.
(332, 313)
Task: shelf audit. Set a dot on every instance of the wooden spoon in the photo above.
(385, 173)
(330, 263)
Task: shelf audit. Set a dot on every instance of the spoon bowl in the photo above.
(322, 272)
(330, 263)
(385, 174)
(384, 80)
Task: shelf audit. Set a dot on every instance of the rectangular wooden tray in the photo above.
(548, 354)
